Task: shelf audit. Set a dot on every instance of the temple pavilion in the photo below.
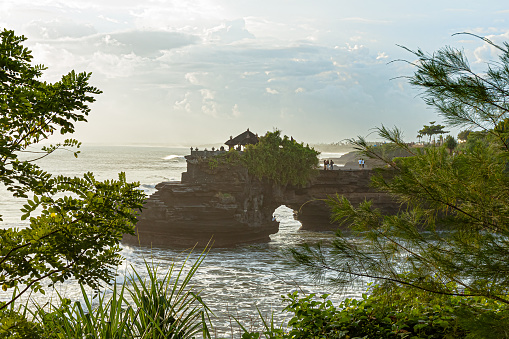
(243, 139)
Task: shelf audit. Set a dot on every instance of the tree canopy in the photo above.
(431, 130)
(463, 135)
(451, 236)
(450, 143)
(281, 160)
(75, 224)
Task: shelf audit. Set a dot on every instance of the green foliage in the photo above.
(213, 163)
(454, 229)
(431, 130)
(463, 135)
(450, 143)
(453, 226)
(476, 139)
(75, 224)
(32, 110)
(159, 306)
(14, 324)
(281, 160)
(227, 160)
(403, 313)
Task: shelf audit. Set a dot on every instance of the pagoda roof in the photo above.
(245, 138)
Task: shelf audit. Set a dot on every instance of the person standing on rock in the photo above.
(331, 164)
(325, 164)
(360, 163)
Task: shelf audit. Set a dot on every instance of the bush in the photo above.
(281, 160)
(159, 306)
(402, 313)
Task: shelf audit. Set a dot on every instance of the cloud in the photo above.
(183, 104)
(196, 78)
(58, 29)
(141, 43)
(177, 14)
(245, 75)
(235, 111)
(210, 108)
(151, 43)
(109, 19)
(207, 63)
(209, 105)
(484, 30)
(207, 94)
(229, 32)
(356, 38)
(116, 66)
(487, 52)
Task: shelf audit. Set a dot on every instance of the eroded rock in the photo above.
(229, 206)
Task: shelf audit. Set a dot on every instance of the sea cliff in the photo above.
(231, 207)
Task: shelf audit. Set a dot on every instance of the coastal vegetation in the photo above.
(155, 305)
(281, 160)
(275, 158)
(80, 221)
(450, 238)
(402, 313)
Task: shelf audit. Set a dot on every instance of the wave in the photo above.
(173, 157)
(326, 155)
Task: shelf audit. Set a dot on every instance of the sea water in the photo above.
(235, 281)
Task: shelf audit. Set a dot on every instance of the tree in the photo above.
(432, 129)
(450, 143)
(463, 135)
(476, 139)
(81, 220)
(281, 160)
(451, 236)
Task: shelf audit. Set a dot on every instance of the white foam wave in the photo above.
(173, 156)
(326, 155)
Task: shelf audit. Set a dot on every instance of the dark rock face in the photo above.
(226, 206)
(232, 207)
(314, 213)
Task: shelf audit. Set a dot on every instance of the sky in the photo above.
(191, 72)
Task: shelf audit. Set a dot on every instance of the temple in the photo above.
(241, 140)
(229, 205)
(238, 143)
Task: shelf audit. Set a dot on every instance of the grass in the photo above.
(160, 305)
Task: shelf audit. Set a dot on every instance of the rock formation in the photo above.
(230, 206)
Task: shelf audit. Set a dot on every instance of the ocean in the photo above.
(235, 281)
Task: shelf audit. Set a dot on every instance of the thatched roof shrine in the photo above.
(246, 138)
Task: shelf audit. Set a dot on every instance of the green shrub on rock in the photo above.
(281, 160)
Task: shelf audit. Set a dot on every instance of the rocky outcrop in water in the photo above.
(314, 214)
(229, 206)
